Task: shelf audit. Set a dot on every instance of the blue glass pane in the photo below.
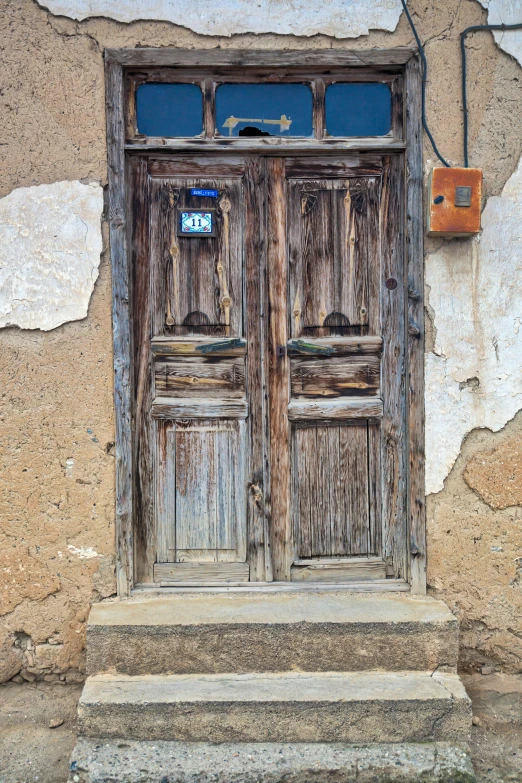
(169, 109)
(264, 110)
(358, 109)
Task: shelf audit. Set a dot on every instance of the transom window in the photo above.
(352, 104)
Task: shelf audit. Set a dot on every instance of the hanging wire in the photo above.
(463, 53)
(424, 79)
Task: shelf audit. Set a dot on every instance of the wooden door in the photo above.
(337, 428)
(198, 396)
(269, 369)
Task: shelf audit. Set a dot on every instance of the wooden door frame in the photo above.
(117, 61)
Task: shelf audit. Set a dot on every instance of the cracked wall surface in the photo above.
(50, 246)
(338, 18)
(56, 408)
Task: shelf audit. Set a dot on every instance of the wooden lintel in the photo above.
(286, 58)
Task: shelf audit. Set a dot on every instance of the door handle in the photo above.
(302, 346)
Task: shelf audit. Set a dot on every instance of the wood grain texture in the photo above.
(286, 58)
(199, 346)
(335, 410)
(304, 167)
(198, 279)
(335, 376)
(121, 321)
(337, 570)
(145, 532)
(414, 256)
(329, 259)
(330, 490)
(270, 145)
(393, 427)
(256, 309)
(179, 377)
(278, 381)
(187, 573)
(335, 346)
(198, 408)
(201, 491)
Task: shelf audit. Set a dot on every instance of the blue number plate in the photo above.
(202, 192)
(196, 223)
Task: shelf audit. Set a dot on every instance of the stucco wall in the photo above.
(56, 412)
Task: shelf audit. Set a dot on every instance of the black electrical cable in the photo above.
(463, 52)
(424, 79)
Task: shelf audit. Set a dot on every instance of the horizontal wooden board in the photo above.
(196, 167)
(201, 572)
(274, 145)
(338, 569)
(336, 410)
(180, 408)
(286, 58)
(368, 586)
(179, 377)
(345, 167)
(334, 346)
(204, 346)
(335, 376)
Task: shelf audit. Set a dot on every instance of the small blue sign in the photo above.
(201, 192)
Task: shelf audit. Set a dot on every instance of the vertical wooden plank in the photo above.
(374, 489)
(256, 309)
(353, 447)
(164, 437)
(318, 112)
(415, 258)
(393, 369)
(121, 324)
(143, 442)
(278, 382)
(196, 490)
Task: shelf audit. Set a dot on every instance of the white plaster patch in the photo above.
(83, 552)
(506, 12)
(475, 294)
(338, 18)
(50, 246)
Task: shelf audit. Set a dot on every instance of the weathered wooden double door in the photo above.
(269, 372)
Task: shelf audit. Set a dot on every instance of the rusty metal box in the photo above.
(454, 200)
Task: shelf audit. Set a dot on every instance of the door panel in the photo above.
(197, 283)
(336, 429)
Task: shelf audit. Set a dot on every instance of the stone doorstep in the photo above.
(124, 761)
(283, 707)
(193, 633)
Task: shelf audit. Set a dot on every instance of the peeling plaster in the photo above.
(475, 295)
(338, 18)
(84, 553)
(506, 12)
(50, 246)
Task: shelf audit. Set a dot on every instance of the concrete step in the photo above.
(99, 761)
(283, 707)
(193, 633)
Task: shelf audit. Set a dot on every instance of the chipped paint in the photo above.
(506, 12)
(50, 246)
(84, 553)
(338, 18)
(474, 376)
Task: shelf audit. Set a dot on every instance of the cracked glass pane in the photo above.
(264, 110)
(358, 109)
(169, 109)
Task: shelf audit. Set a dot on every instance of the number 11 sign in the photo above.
(196, 223)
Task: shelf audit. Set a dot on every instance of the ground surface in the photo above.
(32, 751)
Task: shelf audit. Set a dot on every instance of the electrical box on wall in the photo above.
(454, 199)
